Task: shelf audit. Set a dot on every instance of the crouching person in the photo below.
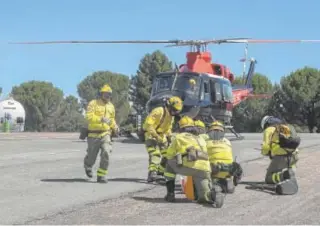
(280, 143)
(225, 171)
(158, 130)
(187, 155)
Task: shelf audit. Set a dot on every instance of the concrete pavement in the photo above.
(43, 182)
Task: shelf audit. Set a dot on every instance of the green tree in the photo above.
(0, 91)
(41, 101)
(150, 65)
(69, 118)
(247, 115)
(297, 98)
(88, 89)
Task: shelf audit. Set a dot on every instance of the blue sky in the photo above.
(66, 65)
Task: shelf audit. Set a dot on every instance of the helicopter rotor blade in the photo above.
(260, 41)
(172, 43)
(99, 42)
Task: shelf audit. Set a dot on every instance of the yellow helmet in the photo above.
(175, 103)
(106, 89)
(186, 121)
(200, 124)
(216, 125)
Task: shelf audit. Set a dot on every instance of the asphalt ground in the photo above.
(43, 182)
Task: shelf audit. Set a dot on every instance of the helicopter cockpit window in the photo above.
(189, 84)
(161, 84)
(217, 70)
(186, 83)
(164, 83)
(227, 92)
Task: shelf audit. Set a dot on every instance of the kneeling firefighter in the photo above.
(280, 143)
(187, 155)
(158, 130)
(225, 171)
(201, 128)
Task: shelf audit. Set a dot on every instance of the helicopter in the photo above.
(211, 95)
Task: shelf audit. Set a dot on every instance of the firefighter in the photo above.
(225, 172)
(187, 155)
(158, 130)
(100, 116)
(201, 127)
(280, 143)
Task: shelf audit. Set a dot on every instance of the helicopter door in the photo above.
(206, 91)
(216, 95)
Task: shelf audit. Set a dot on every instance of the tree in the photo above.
(0, 91)
(69, 118)
(247, 115)
(150, 65)
(297, 98)
(88, 89)
(41, 101)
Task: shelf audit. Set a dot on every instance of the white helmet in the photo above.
(264, 121)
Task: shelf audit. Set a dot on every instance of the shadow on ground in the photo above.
(137, 180)
(235, 138)
(131, 140)
(69, 180)
(159, 199)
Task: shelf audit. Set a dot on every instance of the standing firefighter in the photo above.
(158, 129)
(225, 171)
(187, 155)
(280, 143)
(101, 124)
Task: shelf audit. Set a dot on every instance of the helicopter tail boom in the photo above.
(248, 82)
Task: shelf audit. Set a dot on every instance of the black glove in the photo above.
(115, 133)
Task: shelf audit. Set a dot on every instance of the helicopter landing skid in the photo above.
(238, 136)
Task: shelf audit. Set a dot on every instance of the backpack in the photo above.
(288, 138)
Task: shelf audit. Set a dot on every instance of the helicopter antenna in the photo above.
(244, 60)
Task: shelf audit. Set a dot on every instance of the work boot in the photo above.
(217, 196)
(170, 196)
(88, 173)
(288, 174)
(152, 176)
(101, 179)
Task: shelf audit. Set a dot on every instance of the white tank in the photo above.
(17, 113)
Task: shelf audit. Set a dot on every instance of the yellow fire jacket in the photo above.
(220, 152)
(153, 126)
(180, 144)
(95, 111)
(270, 140)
